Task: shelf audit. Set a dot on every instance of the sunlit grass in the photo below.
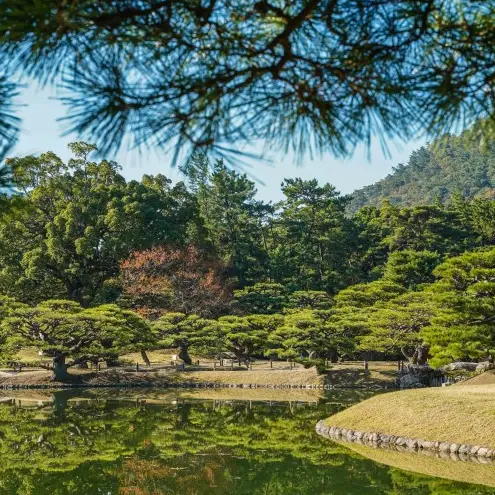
(459, 414)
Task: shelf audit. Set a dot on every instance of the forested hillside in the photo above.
(463, 164)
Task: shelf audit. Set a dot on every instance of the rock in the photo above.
(474, 450)
(484, 366)
(465, 449)
(454, 448)
(412, 444)
(444, 447)
(409, 381)
(384, 438)
(427, 445)
(482, 451)
(459, 366)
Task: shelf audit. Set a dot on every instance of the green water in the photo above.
(111, 443)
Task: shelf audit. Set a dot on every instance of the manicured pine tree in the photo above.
(464, 323)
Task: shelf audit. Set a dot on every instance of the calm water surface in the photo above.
(172, 443)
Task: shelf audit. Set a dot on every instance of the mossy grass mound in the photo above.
(460, 414)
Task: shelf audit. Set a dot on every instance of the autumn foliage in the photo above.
(170, 278)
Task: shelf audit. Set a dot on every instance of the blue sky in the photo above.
(41, 132)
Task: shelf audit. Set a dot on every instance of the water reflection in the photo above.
(175, 442)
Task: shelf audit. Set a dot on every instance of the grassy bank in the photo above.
(276, 378)
(380, 374)
(463, 414)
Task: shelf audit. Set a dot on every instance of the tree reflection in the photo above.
(80, 445)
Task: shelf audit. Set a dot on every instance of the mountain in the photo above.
(451, 164)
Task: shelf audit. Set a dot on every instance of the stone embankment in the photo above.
(454, 451)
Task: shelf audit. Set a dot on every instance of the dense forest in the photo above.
(93, 266)
(452, 164)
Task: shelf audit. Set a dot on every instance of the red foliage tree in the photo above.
(169, 278)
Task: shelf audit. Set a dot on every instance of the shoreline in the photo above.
(441, 449)
(307, 379)
(158, 385)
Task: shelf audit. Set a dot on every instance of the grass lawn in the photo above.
(460, 414)
(353, 374)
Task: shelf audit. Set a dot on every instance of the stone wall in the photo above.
(454, 451)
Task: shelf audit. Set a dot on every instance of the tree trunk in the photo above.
(422, 352)
(112, 362)
(184, 355)
(60, 401)
(59, 369)
(145, 358)
(333, 356)
(419, 356)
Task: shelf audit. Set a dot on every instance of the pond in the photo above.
(193, 442)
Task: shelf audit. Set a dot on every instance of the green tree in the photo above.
(234, 219)
(63, 329)
(372, 252)
(411, 268)
(365, 295)
(349, 316)
(430, 227)
(314, 239)
(79, 221)
(309, 299)
(246, 336)
(463, 326)
(260, 298)
(306, 333)
(479, 215)
(396, 325)
(185, 332)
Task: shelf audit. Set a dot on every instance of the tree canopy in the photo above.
(78, 221)
(63, 329)
(463, 326)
